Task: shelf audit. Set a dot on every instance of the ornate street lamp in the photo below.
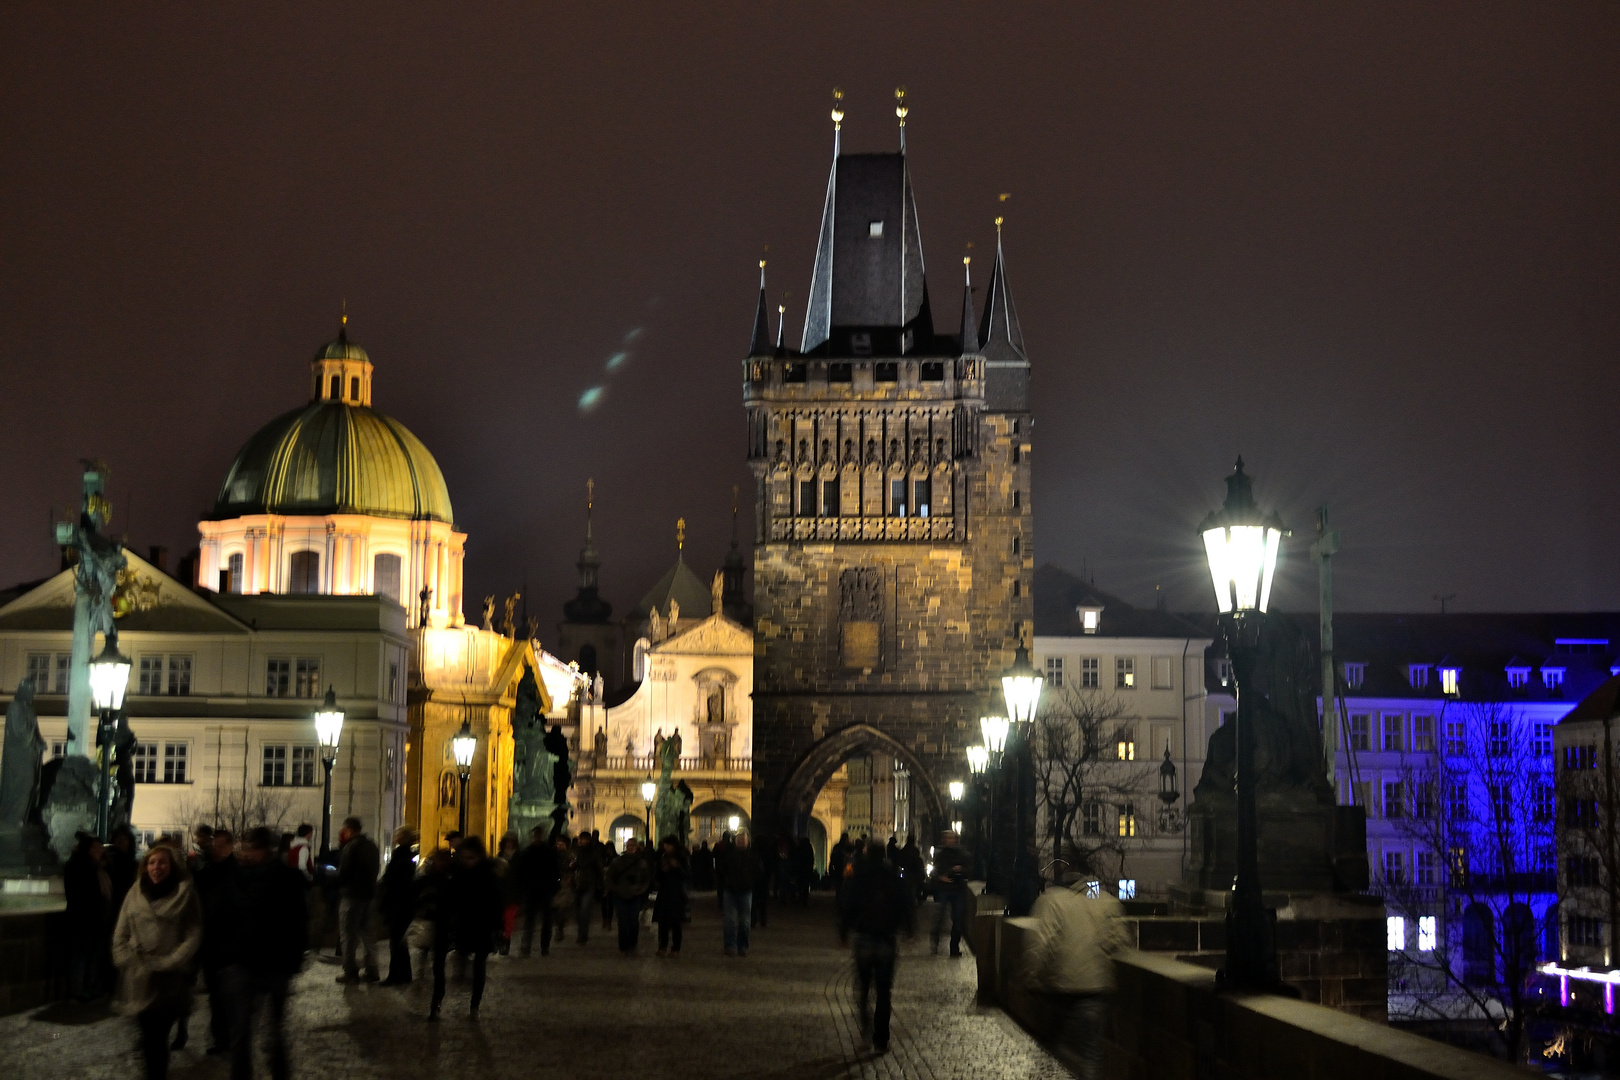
(1022, 688)
(328, 733)
(649, 792)
(978, 759)
(1169, 820)
(109, 678)
(958, 789)
(994, 729)
(464, 746)
(1242, 545)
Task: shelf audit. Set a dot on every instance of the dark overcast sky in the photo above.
(1372, 247)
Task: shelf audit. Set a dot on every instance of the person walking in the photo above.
(213, 882)
(301, 852)
(430, 918)
(912, 869)
(585, 860)
(1071, 961)
(87, 888)
(877, 906)
(538, 877)
(669, 908)
(119, 862)
(766, 867)
(703, 868)
(155, 944)
(629, 877)
(605, 854)
(506, 874)
(358, 867)
(950, 882)
(268, 930)
(398, 904)
(472, 909)
(736, 871)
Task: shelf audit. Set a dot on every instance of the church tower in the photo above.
(587, 635)
(893, 555)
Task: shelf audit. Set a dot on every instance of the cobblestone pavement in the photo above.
(785, 1012)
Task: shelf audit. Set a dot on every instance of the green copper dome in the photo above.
(340, 348)
(330, 457)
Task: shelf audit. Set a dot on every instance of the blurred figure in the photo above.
(703, 868)
(429, 920)
(586, 863)
(268, 933)
(669, 909)
(202, 847)
(506, 872)
(1076, 938)
(804, 868)
(837, 858)
(214, 883)
(88, 890)
(472, 910)
(876, 907)
(358, 867)
(912, 869)
(398, 904)
(119, 862)
(629, 877)
(562, 904)
(538, 878)
(736, 870)
(154, 946)
(950, 882)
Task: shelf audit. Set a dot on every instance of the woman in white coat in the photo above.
(155, 946)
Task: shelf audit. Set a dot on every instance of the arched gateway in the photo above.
(892, 555)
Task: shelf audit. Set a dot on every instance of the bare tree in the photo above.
(241, 809)
(1479, 815)
(1087, 781)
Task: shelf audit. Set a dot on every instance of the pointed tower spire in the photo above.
(1000, 334)
(970, 326)
(761, 343)
(900, 110)
(587, 606)
(781, 321)
(818, 310)
(733, 601)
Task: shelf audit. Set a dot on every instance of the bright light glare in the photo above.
(956, 827)
(1023, 693)
(1242, 564)
(978, 758)
(1428, 933)
(464, 746)
(109, 676)
(1127, 888)
(1395, 928)
(958, 789)
(995, 733)
(649, 790)
(733, 822)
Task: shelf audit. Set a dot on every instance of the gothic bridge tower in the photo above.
(893, 556)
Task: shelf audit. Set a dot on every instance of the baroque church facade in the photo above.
(894, 547)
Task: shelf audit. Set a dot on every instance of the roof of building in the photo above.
(329, 457)
(340, 348)
(1602, 703)
(1060, 596)
(685, 588)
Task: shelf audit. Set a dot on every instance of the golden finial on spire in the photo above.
(838, 108)
(900, 109)
(680, 535)
(590, 495)
(343, 318)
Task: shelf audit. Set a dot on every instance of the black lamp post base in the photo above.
(1251, 951)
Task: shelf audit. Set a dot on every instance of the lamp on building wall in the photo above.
(464, 746)
(328, 732)
(1242, 545)
(649, 792)
(109, 678)
(1169, 816)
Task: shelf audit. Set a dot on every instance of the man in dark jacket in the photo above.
(877, 905)
(585, 860)
(87, 888)
(472, 912)
(214, 881)
(951, 864)
(358, 867)
(629, 878)
(267, 931)
(736, 870)
(539, 876)
(398, 904)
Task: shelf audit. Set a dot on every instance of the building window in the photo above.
(1423, 734)
(1428, 933)
(1552, 677)
(1127, 888)
(922, 495)
(336, 387)
(39, 670)
(385, 576)
(1456, 743)
(1541, 741)
(1016, 543)
(285, 677)
(885, 372)
(354, 388)
(307, 673)
(1417, 675)
(1127, 820)
(840, 373)
(829, 498)
(175, 755)
(58, 749)
(304, 572)
(179, 675)
(1394, 799)
(1425, 869)
(1355, 675)
(1359, 732)
(1090, 673)
(1450, 681)
(1501, 804)
(1581, 870)
(932, 371)
(274, 771)
(393, 679)
(1500, 738)
(807, 498)
(233, 573)
(1091, 819)
(1394, 730)
(301, 766)
(1090, 619)
(1125, 673)
(144, 758)
(874, 228)
(1544, 803)
(1395, 926)
(897, 498)
(1580, 757)
(288, 766)
(1585, 931)
(1018, 499)
(1125, 745)
(1518, 677)
(1054, 672)
(1423, 799)
(1457, 801)
(151, 675)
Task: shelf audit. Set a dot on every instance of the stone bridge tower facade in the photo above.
(893, 557)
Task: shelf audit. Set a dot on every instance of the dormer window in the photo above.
(1090, 618)
(1518, 677)
(1418, 675)
(1552, 677)
(1354, 675)
(1451, 681)
(874, 229)
(860, 343)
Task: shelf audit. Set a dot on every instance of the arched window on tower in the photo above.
(385, 576)
(337, 387)
(638, 662)
(354, 388)
(233, 573)
(304, 572)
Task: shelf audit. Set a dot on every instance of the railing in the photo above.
(650, 763)
(863, 528)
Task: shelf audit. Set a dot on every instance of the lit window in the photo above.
(1518, 677)
(1093, 889)
(1450, 681)
(1552, 677)
(1054, 671)
(1127, 820)
(1090, 619)
(1125, 745)
(874, 228)
(1125, 673)
(1355, 675)
(1090, 672)
(1395, 927)
(233, 573)
(1127, 888)
(1417, 675)
(1428, 933)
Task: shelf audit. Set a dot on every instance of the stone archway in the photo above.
(816, 767)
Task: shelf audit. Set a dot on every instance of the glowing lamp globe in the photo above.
(1022, 688)
(734, 823)
(958, 789)
(978, 759)
(649, 791)
(329, 722)
(464, 745)
(1242, 545)
(109, 676)
(995, 730)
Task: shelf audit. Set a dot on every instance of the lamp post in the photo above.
(464, 746)
(978, 759)
(328, 733)
(1242, 545)
(1168, 793)
(109, 678)
(994, 729)
(1021, 686)
(649, 792)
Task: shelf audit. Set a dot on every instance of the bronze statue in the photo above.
(24, 752)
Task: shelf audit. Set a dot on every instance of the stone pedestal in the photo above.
(1305, 846)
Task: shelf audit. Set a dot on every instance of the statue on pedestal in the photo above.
(22, 838)
(673, 803)
(534, 795)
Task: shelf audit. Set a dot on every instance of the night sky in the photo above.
(1371, 247)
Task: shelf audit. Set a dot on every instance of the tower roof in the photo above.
(1002, 337)
(761, 343)
(681, 585)
(869, 261)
